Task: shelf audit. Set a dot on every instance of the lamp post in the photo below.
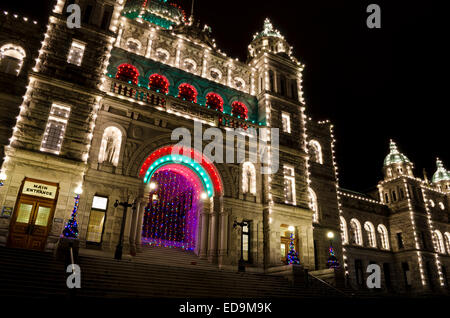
(119, 247)
(241, 264)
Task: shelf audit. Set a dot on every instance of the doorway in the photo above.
(33, 215)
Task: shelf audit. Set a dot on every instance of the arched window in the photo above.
(356, 232)
(384, 236)
(239, 110)
(248, 178)
(438, 242)
(447, 241)
(371, 236)
(159, 83)
(162, 55)
(344, 231)
(313, 205)
(190, 65)
(214, 101)
(133, 45)
(127, 73)
(110, 146)
(239, 83)
(215, 74)
(11, 59)
(187, 92)
(315, 151)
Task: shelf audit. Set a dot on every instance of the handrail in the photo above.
(328, 284)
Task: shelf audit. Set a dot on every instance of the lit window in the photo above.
(438, 241)
(97, 220)
(356, 232)
(432, 203)
(56, 128)
(382, 230)
(248, 178)
(11, 59)
(289, 185)
(313, 205)
(441, 205)
(76, 53)
(246, 241)
(447, 241)
(286, 122)
(371, 236)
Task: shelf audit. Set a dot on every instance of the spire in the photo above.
(268, 30)
(394, 155)
(441, 173)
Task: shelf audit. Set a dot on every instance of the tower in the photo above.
(49, 149)
(277, 76)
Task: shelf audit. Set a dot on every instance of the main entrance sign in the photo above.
(39, 190)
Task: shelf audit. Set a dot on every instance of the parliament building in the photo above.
(88, 116)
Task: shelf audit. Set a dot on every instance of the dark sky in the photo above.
(372, 84)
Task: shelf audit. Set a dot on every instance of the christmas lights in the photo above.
(127, 73)
(159, 83)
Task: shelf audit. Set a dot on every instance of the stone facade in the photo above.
(269, 84)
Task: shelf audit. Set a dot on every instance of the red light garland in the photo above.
(214, 101)
(159, 83)
(127, 73)
(239, 109)
(187, 92)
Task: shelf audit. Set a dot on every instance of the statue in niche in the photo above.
(110, 148)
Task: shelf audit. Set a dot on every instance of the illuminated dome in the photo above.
(395, 156)
(441, 173)
(163, 13)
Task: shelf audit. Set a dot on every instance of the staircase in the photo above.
(157, 272)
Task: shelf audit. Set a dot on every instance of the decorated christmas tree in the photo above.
(71, 229)
(292, 257)
(332, 260)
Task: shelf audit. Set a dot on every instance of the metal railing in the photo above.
(308, 275)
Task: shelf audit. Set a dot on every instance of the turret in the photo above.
(441, 178)
(396, 164)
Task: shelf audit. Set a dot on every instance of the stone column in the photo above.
(213, 229)
(134, 221)
(223, 234)
(205, 212)
(139, 224)
(126, 232)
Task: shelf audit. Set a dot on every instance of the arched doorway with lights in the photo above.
(181, 185)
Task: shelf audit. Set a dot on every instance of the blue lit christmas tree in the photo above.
(71, 229)
(292, 257)
(332, 260)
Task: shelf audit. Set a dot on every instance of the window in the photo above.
(248, 178)
(406, 274)
(110, 146)
(402, 194)
(344, 231)
(56, 128)
(87, 14)
(384, 236)
(11, 59)
(289, 185)
(282, 88)
(215, 74)
(447, 241)
(432, 203)
(400, 241)
(394, 196)
(76, 53)
(294, 89)
(106, 19)
(438, 241)
(386, 197)
(162, 55)
(271, 81)
(246, 241)
(422, 238)
(313, 205)
(441, 205)
(97, 220)
(239, 83)
(315, 151)
(190, 65)
(371, 236)
(359, 272)
(286, 122)
(134, 45)
(356, 232)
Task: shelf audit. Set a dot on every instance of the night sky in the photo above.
(373, 84)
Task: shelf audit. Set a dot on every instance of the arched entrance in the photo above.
(180, 182)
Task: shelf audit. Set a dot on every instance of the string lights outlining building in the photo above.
(88, 114)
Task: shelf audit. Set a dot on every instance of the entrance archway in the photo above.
(180, 180)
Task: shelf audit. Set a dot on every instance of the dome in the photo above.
(160, 12)
(395, 156)
(441, 174)
(268, 31)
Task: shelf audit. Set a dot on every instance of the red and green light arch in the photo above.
(199, 166)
